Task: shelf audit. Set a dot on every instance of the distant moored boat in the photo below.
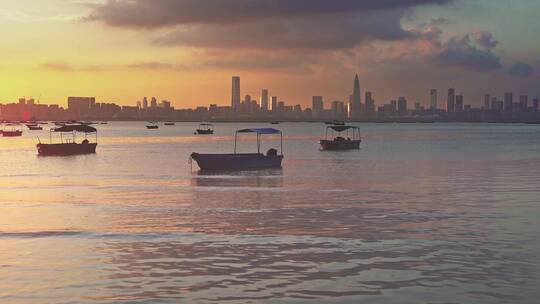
(339, 142)
(205, 129)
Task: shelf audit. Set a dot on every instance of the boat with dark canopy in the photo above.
(13, 130)
(68, 144)
(243, 161)
(205, 128)
(339, 142)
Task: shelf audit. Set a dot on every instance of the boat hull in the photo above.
(237, 162)
(11, 133)
(340, 145)
(66, 149)
(204, 132)
(152, 127)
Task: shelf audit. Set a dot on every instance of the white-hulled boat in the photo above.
(242, 161)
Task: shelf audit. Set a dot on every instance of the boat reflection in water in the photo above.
(242, 161)
(338, 143)
(267, 178)
(69, 146)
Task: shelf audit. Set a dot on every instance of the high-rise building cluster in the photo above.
(269, 107)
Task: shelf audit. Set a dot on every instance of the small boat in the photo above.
(205, 128)
(13, 131)
(152, 125)
(339, 142)
(169, 123)
(242, 161)
(34, 127)
(103, 123)
(274, 122)
(69, 146)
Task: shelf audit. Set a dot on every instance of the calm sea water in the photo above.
(423, 213)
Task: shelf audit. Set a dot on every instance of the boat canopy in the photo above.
(342, 128)
(76, 128)
(260, 131)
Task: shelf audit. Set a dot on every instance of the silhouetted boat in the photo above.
(242, 161)
(339, 142)
(152, 125)
(169, 123)
(274, 122)
(103, 123)
(34, 127)
(68, 146)
(13, 130)
(205, 128)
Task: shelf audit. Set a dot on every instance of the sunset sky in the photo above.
(187, 50)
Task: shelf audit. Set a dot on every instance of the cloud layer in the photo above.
(166, 13)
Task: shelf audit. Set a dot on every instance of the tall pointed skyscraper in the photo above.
(356, 102)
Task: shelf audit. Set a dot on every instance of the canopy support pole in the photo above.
(235, 137)
(281, 136)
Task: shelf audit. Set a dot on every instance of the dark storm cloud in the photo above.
(165, 13)
(521, 69)
(324, 32)
(472, 51)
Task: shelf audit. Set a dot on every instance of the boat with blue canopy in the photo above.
(243, 161)
(339, 141)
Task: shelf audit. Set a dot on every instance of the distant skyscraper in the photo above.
(338, 109)
(356, 99)
(264, 100)
(494, 104)
(153, 103)
(370, 105)
(317, 106)
(508, 101)
(523, 102)
(145, 103)
(451, 102)
(433, 99)
(393, 106)
(487, 100)
(535, 104)
(459, 103)
(402, 106)
(274, 103)
(235, 98)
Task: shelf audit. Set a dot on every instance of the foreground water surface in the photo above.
(423, 213)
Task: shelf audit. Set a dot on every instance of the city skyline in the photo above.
(266, 107)
(188, 58)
